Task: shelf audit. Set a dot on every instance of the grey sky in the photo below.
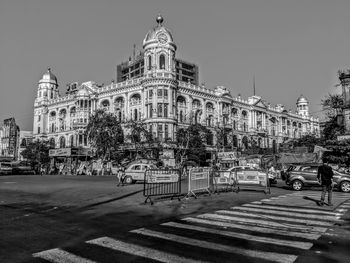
(292, 47)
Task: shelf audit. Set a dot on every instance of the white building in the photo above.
(165, 104)
(24, 138)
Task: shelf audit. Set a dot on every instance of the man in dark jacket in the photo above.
(324, 176)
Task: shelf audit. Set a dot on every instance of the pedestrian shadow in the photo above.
(317, 201)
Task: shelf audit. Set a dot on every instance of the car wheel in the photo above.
(128, 180)
(297, 185)
(345, 186)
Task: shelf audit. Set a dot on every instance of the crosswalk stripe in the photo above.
(57, 255)
(275, 241)
(296, 214)
(262, 222)
(308, 222)
(286, 208)
(140, 251)
(272, 256)
(265, 230)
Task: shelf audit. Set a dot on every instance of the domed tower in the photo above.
(47, 90)
(160, 85)
(302, 106)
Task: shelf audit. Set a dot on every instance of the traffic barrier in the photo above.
(252, 179)
(162, 182)
(198, 180)
(223, 180)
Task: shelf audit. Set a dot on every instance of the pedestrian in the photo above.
(42, 170)
(119, 175)
(324, 177)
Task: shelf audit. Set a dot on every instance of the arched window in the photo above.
(52, 143)
(52, 127)
(149, 62)
(161, 61)
(135, 114)
(23, 143)
(181, 116)
(71, 141)
(210, 138)
(62, 142)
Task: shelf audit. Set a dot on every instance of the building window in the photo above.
(160, 92)
(39, 117)
(162, 61)
(149, 62)
(160, 131)
(150, 94)
(165, 110)
(165, 93)
(166, 131)
(160, 109)
(150, 110)
(181, 116)
(38, 129)
(135, 114)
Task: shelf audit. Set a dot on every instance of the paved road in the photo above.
(88, 220)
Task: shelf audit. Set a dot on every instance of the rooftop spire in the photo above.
(159, 20)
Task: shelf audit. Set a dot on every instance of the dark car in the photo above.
(298, 176)
(22, 167)
(5, 168)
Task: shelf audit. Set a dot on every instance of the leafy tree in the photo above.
(308, 141)
(191, 143)
(104, 133)
(141, 139)
(37, 152)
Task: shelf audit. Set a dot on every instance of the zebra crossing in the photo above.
(262, 231)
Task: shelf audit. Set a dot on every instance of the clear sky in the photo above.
(292, 47)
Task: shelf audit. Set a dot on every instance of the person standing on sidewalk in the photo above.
(324, 176)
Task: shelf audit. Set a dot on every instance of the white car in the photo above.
(272, 176)
(136, 172)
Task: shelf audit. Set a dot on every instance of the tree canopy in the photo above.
(37, 152)
(105, 133)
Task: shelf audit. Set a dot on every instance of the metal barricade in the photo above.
(223, 181)
(198, 180)
(162, 182)
(253, 179)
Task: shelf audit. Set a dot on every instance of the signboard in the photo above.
(343, 137)
(60, 152)
(227, 155)
(162, 177)
(248, 177)
(167, 154)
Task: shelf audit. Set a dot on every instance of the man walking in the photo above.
(324, 176)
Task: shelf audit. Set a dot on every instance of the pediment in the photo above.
(260, 104)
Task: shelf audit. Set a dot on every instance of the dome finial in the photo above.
(159, 20)
(48, 69)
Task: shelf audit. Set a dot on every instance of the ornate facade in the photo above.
(165, 104)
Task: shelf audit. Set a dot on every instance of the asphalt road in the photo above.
(82, 215)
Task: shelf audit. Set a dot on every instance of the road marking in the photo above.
(275, 257)
(57, 255)
(295, 214)
(140, 251)
(262, 222)
(286, 208)
(307, 222)
(265, 230)
(9, 182)
(275, 241)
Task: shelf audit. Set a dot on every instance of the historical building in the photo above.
(156, 95)
(9, 133)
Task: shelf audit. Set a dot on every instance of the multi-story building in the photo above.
(9, 139)
(135, 68)
(165, 103)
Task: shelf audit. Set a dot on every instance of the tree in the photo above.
(104, 133)
(141, 138)
(191, 143)
(37, 152)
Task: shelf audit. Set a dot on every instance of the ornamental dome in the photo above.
(152, 34)
(302, 99)
(48, 77)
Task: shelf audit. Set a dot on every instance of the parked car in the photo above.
(298, 176)
(22, 167)
(5, 168)
(136, 172)
(272, 176)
